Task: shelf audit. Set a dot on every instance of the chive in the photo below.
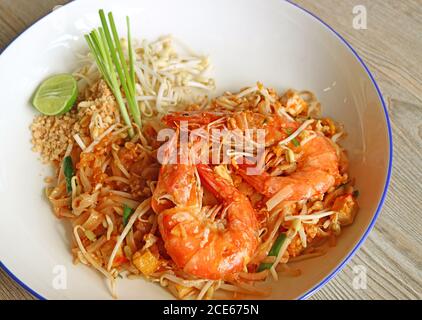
(131, 59)
(289, 131)
(295, 142)
(355, 193)
(275, 249)
(68, 172)
(127, 212)
(120, 54)
(104, 44)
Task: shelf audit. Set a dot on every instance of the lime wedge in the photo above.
(56, 95)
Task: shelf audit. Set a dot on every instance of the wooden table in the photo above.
(392, 48)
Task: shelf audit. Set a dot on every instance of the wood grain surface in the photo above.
(391, 46)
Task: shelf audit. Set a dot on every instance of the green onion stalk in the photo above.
(104, 44)
(275, 249)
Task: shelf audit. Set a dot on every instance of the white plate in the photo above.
(272, 41)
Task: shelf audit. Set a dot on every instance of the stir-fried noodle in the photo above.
(117, 186)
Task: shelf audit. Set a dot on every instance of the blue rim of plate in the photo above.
(380, 204)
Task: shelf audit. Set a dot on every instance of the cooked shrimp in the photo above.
(276, 127)
(317, 171)
(195, 243)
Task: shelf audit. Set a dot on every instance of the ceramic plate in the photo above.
(272, 41)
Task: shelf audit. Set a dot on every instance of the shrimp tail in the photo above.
(259, 182)
(220, 187)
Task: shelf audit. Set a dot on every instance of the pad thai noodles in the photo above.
(263, 182)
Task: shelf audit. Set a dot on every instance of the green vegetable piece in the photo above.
(68, 172)
(295, 142)
(127, 213)
(355, 194)
(275, 249)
